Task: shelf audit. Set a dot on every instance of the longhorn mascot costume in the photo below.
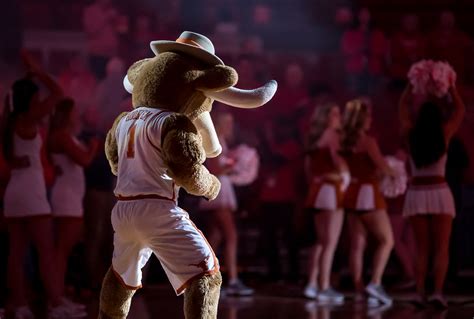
(158, 147)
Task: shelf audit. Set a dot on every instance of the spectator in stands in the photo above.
(365, 51)
(102, 25)
(281, 162)
(79, 83)
(169, 17)
(259, 20)
(226, 32)
(292, 94)
(110, 94)
(11, 30)
(248, 78)
(343, 17)
(407, 47)
(451, 44)
(142, 34)
(252, 45)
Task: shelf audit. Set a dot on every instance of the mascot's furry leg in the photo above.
(201, 298)
(115, 298)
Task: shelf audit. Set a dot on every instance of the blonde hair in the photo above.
(318, 124)
(355, 115)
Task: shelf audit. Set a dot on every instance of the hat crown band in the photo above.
(196, 40)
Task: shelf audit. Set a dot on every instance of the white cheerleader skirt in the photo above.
(67, 199)
(364, 196)
(226, 198)
(428, 195)
(325, 194)
(25, 195)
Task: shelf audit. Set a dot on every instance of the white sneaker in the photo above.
(360, 297)
(65, 312)
(372, 302)
(377, 311)
(310, 292)
(379, 293)
(237, 288)
(330, 295)
(24, 312)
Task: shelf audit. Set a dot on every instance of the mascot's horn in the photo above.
(127, 85)
(245, 99)
(206, 129)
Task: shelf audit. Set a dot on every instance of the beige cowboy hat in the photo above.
(191, 43)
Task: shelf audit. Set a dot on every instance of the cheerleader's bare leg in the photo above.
(18, 245)
(441, 230)
(404, 248)
(41, 232)
(328, 227)
(69, 231)
(378, 224)
(421, 230)
(358, 235)
(314, 264)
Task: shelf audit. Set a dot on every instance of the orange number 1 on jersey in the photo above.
(131, 141)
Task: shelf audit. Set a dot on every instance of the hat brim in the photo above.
(171, 46)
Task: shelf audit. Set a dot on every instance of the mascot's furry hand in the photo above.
(184, 157)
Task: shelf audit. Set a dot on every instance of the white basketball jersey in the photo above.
(141, 169)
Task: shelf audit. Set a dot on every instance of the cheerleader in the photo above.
(363, 200)
(429, 203)
(223, 207)
(69, 156)
(327, 173)
(27, 210)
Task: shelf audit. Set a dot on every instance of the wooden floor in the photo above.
(159, 302)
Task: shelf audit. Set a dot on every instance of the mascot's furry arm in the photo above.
(184, 156)
(111, 151)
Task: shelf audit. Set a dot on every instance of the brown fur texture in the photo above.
(184, 157)
(201, 298)
(115, 299)
(111, 151)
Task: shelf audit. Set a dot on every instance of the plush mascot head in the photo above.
(185, 77)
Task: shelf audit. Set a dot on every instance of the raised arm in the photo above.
(184, 157)
(455, 121)
(404, 110)
(79, 154)
(47, 105)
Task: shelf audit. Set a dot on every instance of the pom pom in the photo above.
(245, 169)
(431, 77)
(392, 187)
